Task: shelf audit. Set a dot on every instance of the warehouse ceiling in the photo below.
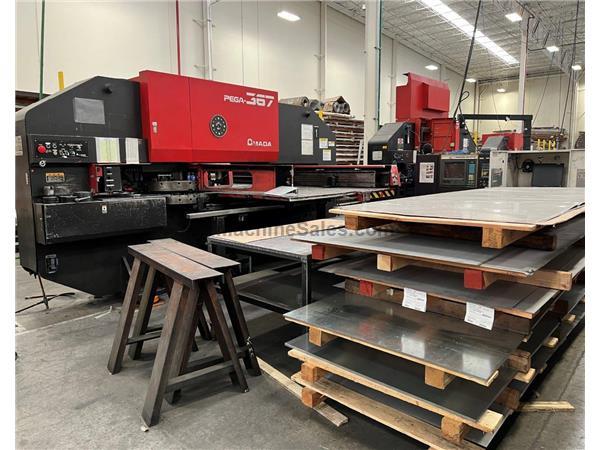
(420, 28)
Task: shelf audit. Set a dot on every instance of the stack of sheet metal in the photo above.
(452, 307)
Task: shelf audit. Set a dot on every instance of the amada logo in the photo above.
(254, 143)
(252, 99)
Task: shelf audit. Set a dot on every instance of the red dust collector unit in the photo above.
(193, 120)
(426, 103)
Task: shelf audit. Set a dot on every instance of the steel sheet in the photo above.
(513, 205)
(431, 339)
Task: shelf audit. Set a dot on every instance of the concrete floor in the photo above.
(65, 397)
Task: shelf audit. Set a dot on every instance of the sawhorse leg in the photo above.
(240, 328)
(127, 310)
(172, 348)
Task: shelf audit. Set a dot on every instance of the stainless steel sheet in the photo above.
(432, 339)
(514, 205)
(461, 397)
(285, 245)
(403, 244)
(445, 284)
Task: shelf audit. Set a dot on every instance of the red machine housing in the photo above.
(515, 140)
(194, 120)
(426, 103)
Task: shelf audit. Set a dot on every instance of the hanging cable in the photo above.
(569, 87)
(464, 80)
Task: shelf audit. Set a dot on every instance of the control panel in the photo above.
(49, 148)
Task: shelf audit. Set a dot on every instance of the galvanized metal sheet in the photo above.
(513, 205)
(517, 260)
(450, 344)
(461, 397)
(445, 284)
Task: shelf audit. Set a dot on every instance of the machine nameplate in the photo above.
(55, 177)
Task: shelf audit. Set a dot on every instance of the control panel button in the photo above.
(41, 149)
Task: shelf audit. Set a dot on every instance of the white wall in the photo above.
(251, 45)
(86, 38)
(544, 99)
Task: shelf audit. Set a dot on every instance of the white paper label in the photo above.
(326, 155)
(479, 315)
(307, 147)
(414, 299)
(306, 131)
(107, 150)
(132, 151)
(377, 156)
(18, 146)
(323, 142)
(466, 143)
(426, 172)
(332, 143)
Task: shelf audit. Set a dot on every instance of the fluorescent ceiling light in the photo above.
(514, 17)
(501, 90)
(431, 67)
(464, 26)
(470, 80)
(552, 49)
(576, 67)
(285, 15)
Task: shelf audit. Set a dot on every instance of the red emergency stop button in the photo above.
(41, 149)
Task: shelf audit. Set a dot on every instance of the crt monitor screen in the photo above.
(454, 170)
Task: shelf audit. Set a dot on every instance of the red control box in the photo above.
(195, 120)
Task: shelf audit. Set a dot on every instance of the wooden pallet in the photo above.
(450, 437)
(475, 277)
(493, 234)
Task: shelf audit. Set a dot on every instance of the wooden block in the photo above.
(520, 360)
(360, 223)
(510, 398)
(551, 279)
(318, 337)
(570, 318)
(389, 263)
(546, 406)
(551, 342)
(310, 372)
(478, 279)
(322, 252)
(500, 237)
(453, 430)
(370, 289)
(525, 377)
(437, 378)
(311, 398)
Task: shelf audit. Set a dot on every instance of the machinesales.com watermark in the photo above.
(324, 227)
